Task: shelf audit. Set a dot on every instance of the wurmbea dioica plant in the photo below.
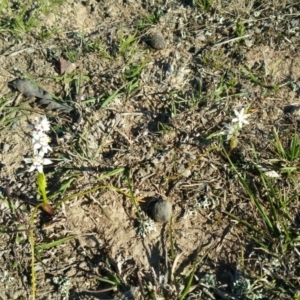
(232, 129)
(40, 142)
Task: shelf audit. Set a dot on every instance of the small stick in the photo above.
(231, 40)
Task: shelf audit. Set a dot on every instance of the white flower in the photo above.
(41, 125)
(240, 118)
(41, 141)
(36, 134)
(231, 131)
(37, 162)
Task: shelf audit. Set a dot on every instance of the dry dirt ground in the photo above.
(157, 113)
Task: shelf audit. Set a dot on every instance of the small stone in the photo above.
(91, 242)
(83, 265)
(71, 273)
(157, 41)
(29, 89)
(293, 110)
(65, 66)
(162, 211)
(6, 147)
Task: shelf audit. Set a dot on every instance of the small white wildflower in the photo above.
(231, 131)
(41, 141)
(240, 118)
(38, 161)
(41, 125)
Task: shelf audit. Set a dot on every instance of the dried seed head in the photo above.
(162, 211)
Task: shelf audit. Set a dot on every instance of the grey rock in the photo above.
(157, 41)
(293, 110)
(162, 211)
(27, 88)
(52, 104)
(5, 147)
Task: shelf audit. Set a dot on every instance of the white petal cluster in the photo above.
(240, 118)
(232, 130)
(40, 142)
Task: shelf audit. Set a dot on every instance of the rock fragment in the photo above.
(29, 89)
(157, 41)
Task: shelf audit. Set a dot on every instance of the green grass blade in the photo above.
(191, 273)
(171, 239)
(251, 195)
(111, 173)
(32, 248)
(63, 188)
(54, 243)
(133, 200)
(245, 223)
(250, 75)
(189, 283)
(110, 99)
(104, 280)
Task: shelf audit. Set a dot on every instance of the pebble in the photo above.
(6, 147)
(162, 211)
(293, 110)
(157, 41)
(91, 242)
(29, 89)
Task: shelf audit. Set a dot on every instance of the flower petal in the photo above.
(27, 160)
(37, 146)
(32, 168)
(40, 168)
(47, 161)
